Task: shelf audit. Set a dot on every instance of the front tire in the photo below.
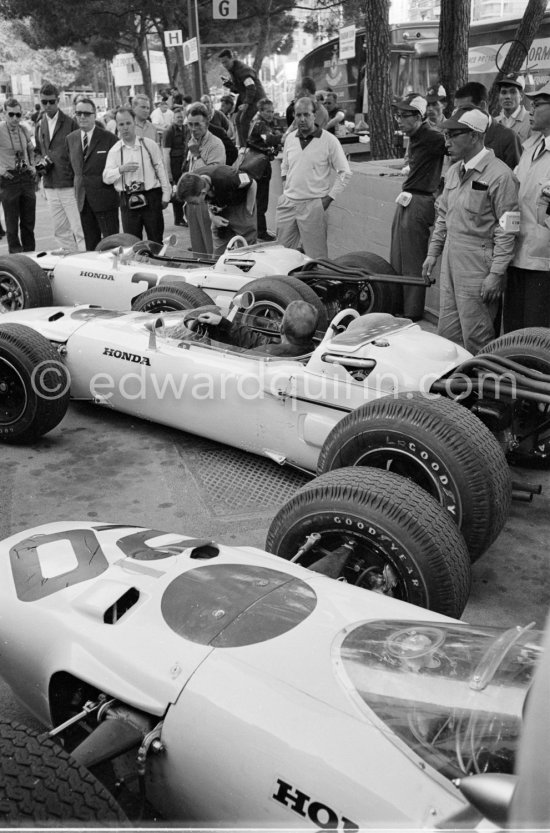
(395, 539)
(441, 447)
(23, 284)
(40, 784)
(166, 298)
(34, 385)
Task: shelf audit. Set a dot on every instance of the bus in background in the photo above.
(414, 65)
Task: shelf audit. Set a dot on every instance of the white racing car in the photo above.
(220, 686)
(377, 391)
(150, 277)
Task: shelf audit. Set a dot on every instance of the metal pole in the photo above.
(199, 61)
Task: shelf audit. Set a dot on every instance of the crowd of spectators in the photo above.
(471, 181)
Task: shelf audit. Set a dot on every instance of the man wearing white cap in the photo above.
(415, 211)
(513, 114)
(527, 297)
(473, 232)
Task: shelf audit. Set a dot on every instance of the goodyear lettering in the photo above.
(126, 357)
(100, 275)
(320, 814)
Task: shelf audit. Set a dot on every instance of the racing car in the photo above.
(222, 686)
(376, 391)
(151, 277)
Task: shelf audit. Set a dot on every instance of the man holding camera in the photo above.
(55, 166)
(17, 180)
(136, 168)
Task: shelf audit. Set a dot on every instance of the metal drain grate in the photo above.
(235, 481)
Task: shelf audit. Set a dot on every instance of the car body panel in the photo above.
(277, 407)
(116, 280)
(238, 658)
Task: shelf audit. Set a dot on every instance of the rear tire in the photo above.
(171, 298)
(388, 523)
(113, 241)
(34, 385)
(379, 297)
(23, 284)
(531, 348)
(441, 447)
(40, 784)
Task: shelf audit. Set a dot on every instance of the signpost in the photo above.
(173, 37)
(224, 9)
(190, 51)
(347, 42)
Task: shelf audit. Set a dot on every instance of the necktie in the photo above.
(539, 150)
(462, 171)
(85, 145)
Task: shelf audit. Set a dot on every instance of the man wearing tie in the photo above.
(473, 232)
(97, 202)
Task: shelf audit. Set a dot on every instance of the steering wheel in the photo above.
(146, 247)
(199, 328)
(237, 242)
(339, 323)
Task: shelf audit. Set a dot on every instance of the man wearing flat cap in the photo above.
(513, 114)
(527, 296)
(436, 98)
(415, 211)
(474, 232)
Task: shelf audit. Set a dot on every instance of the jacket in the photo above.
(533, 247)
(55, 147)
(88, 173)
(244, 82)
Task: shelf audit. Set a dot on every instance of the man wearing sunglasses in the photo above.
(88, 148)
(475, 232)
(55, 165)
(17, 180)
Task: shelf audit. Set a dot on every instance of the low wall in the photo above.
(361, 218)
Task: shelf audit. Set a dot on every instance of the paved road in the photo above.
(101, 465)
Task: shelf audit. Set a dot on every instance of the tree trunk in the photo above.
(454, 25)
(377, 62)
(143, 64)
(524, 36)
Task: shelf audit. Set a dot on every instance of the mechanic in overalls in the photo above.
(475, 232)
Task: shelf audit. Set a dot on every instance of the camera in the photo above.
(135, 195)
(44, 165)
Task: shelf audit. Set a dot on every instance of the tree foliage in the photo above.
(21, 56)
(523, 38)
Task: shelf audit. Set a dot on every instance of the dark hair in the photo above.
(228, 99)
(307, 83)
(225, 53)
(189, 185)
(48, 88)
(264, 102)
(11, 102)
(188, 99)
(80, 99)
(474, 90)
(198, 109)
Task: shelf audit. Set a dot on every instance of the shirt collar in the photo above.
(475, 160)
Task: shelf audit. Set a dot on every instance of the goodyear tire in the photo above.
(440, 446)
(395, 538)
(41, 785)
(529, 347)
(379, 297)
(113, 241)
(23, 284)
(34, 385)
(170, 298)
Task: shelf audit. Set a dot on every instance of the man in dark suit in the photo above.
(53, 161)
(88, 148)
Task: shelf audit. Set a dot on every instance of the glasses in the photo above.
(84, 113)
(16, 115)
(48, 100)
(454, 133)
